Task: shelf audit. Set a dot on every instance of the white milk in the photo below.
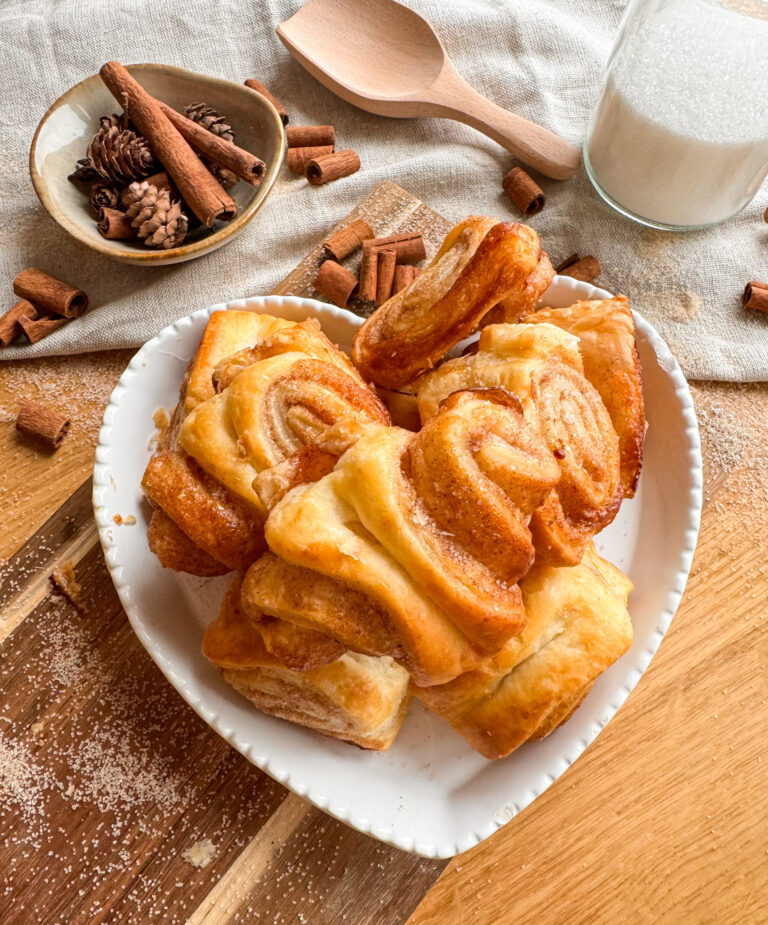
(680, 135)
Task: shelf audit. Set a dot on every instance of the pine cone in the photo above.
(159, 221)
(119, 120)
(103, 196)
(210, 119)
(83, 172)
(120, 156)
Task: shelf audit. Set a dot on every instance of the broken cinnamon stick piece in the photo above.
(332, 167)
(756, 296)
(385, 274)
(335, 282)
(347, 239)
(298, 158)
(242, 163)
(42, 422)
(115, 225)
(10, 328)
(568, 262)
(49, 293)
(259, 87)
(310, 136)
(524, 191)
(408, 247)
(368, 274)
(199, 189)
(586, 269)
(404, 276)
(38, 328)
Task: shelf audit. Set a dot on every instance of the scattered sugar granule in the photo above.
(65, 582)
(201, 853)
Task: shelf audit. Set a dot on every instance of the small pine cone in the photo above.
(120, 156)
(210, 119)
(103, 196)
(159, 221)
(119, 120)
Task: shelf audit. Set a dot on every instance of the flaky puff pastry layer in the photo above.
(432, 527)
(277, 397)
(578, 625)
(606, 332)
(542, 365)
(358, 699)
(480, 263)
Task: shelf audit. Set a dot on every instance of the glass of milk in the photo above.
(679, 137)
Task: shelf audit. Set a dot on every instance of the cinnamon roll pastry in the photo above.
(430, 527)
(279, 397)
(578, 625)
(480, 263)
(542, 365)
(355, 698)
(520, 304)
(175, 550)
(606, 332)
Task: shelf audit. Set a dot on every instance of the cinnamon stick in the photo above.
(585, 269)
(41, 422)
(37, 329)
(385, 273)
(241, 162)
(198, 187)
(568, 262)
(368, 274)
(332, 167)
(404, 276)
(756, 296)
(310, 136)
(49, 293)
(335, 282)
(298, 158)
(161, 181)
(524, 191)
(259, 87)
(10, 328)
(115, 225)
(347, 239)
(408, 247)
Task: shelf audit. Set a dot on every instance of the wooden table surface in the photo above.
(107, 779)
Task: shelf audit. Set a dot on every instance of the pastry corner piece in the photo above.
(356, 698)
(578, 625)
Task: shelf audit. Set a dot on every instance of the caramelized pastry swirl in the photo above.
(431, 527)
(542, 366)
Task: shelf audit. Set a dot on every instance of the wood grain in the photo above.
(664, 819)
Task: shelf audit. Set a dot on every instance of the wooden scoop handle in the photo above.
(531, 143)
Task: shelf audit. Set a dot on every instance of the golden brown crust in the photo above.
(519, 304)
(578, 625)
(542, 366)
(176, 551)
(204, 510)
(408, 334)
(355, 698)
(606, 332)
(431, 528)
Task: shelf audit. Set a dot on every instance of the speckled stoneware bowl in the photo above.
(67, 128)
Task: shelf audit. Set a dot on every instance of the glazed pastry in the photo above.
(431, 527)
(606, 333)
(542, 365)
(578, 625)
(274, 398)
(176, 551)
(520, 304)
(358, 699)
(480, 263)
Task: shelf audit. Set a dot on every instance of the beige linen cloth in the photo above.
(540, 58)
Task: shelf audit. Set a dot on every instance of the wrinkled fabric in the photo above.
(540, 58)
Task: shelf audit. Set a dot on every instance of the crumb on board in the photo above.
(160, 418)
(37, 728)
(128, 521)
(201, 853)
(65, 582)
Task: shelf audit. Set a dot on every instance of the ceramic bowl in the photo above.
(67, 128)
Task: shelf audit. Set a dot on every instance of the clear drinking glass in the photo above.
(679, 136)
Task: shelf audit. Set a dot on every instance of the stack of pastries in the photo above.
(406, 523)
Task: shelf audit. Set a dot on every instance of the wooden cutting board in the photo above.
(112, 789)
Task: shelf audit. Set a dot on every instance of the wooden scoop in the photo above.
(386, 59)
